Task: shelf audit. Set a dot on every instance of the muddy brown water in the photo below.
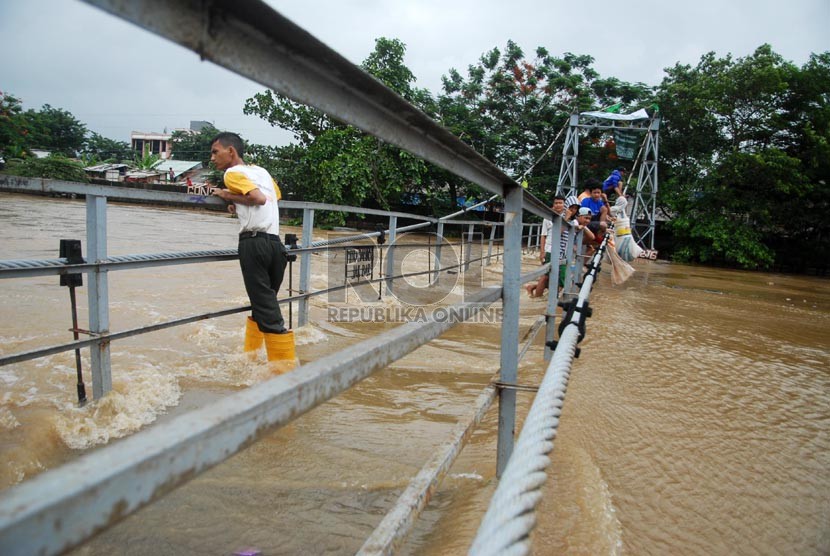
(697, 419)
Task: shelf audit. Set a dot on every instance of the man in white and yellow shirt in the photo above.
(253, 195)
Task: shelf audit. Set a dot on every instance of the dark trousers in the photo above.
(262, 259)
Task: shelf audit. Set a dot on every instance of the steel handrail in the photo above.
(112, 336)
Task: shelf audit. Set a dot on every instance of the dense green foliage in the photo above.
(193, 146)
(146, 162)
(54, 167)
(507, 108)
(50, 129)
(54, 130)
(335, 163)
(510, 109)
(12, 131)
(745, 144)
(745, 159)
(98, 148)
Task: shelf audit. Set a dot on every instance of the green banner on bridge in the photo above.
(627, 143)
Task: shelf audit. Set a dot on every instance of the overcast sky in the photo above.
(116, 78)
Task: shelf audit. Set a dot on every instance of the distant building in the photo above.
(199, 125)
(143, 176)
(145, 143)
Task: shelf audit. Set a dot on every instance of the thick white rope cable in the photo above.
(510, 518)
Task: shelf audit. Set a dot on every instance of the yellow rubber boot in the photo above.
(281, 354)
(253, 338)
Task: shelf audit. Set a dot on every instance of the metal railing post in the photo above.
(438, 243)
(390, 252)
(305, 266)
(467, 257)
(490, 244)
(511, 280)
(570, 261)
(98, 294)
(580, 261)
(553, 285)
(538, 243)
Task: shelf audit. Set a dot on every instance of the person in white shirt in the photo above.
(253, 195)
(545, 249)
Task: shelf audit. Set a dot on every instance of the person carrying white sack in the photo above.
(627, 248)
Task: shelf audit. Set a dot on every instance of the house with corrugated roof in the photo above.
(177, 170)
(110, 172)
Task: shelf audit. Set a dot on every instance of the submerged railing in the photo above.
(61, 508)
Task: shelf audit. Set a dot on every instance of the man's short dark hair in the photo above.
(559, 197)
(592, 183)
(228, 139)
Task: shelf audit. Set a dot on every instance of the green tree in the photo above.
(145, 162)
(55, 130)
(98, 148)
(52, 167)
(743, 152)
(188, 145)
(510, 108)
(12, 129)
(335, 163)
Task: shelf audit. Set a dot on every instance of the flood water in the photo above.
(697, 419)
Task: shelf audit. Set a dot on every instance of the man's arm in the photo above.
(251, 198)
(542, 247)
(588, 234)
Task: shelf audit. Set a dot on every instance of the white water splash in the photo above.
(135, 400)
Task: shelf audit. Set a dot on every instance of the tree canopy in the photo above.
(188, 145)
(507, 107)
(336, 163)
(745, 158)
(98, 148)
(55, 130)
(511, 108)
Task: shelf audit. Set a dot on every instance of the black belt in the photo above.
(246, 235)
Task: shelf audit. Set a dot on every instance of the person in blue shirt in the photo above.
(614, 183)
(599, 209)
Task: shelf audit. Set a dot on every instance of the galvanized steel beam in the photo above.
(567, 184)
(50, 267)
(644, 210)
(254, 41)
(553, 284)
(98, 295)
(490, 244)
(46, 186)
(124, 192)
(390, 251)
(305, 266)
(511, 280)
